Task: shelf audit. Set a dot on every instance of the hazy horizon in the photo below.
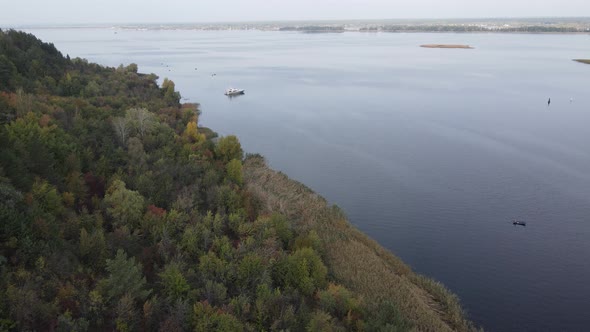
(561, 19)
(64, 12)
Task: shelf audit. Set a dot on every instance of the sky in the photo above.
(28, 12)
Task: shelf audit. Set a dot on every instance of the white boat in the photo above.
(233, 92)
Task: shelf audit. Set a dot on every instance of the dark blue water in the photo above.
(431, 152)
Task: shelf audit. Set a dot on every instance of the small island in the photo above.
(586, 61)
(446, 46)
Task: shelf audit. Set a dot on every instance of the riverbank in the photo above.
(353, 258)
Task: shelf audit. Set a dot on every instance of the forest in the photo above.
(119, 211)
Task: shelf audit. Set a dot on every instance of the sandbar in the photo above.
(445, 46)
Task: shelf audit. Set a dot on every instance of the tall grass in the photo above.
(355, 260)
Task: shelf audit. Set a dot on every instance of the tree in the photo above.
(208, 318)
(213, 268)
(92, 89)
(234, 171)
(170, 95)
(124, 205)
(127, 314)
(175, 284)
(121, 126)
(7, 72)
(141, 119)
(14, 220)
(125, 277)
(132, 67)
(229, 148)
(321, 322)
(302, 270)
(24, 103)
(137, 155)
(92, 246)
(250, 272)
(339, 302)
(191, 133)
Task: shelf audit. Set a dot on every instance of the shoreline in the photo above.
(353, 258)
(484, 26)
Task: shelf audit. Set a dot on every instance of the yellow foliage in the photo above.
(191, 133)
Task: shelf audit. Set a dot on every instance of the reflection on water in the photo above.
(432, 152)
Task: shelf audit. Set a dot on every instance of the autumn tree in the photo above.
(191, 134)
(208, 318)
(229, 148)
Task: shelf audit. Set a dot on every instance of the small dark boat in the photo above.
(517, 222)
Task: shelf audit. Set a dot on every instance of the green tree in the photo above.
(175, 285)
(123, 205)
(213, 268)
(340, 303)
(127, 314)
(234, 171)
(24, 102)
(170, 95)
(15, 223)
(92, 246)
(321, 322)
(92, 89)
(125, 277)
(302, 270)
(137, 155)
(7, 72)
(214, 292)
(250, 272)
(229, 148)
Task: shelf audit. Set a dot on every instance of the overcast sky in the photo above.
(18, 12)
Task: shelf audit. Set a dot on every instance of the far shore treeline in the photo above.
(118, 211)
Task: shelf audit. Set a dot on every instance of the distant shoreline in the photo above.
(586, 61)
(446, 46)
(538, 25)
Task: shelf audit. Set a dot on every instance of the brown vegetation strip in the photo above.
(355, 260)
(586, 61)
(445, 46)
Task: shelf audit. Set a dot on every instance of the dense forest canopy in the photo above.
(118, 211)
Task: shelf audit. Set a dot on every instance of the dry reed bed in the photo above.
(355, 260)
